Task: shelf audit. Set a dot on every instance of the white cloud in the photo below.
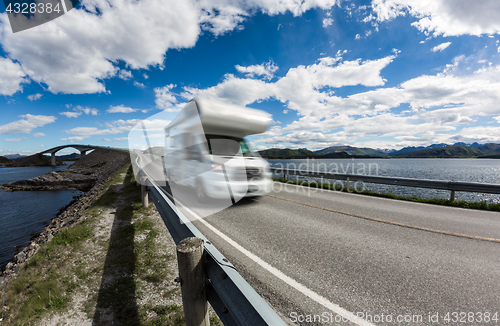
(305, 89)
(71, 114)
(327, 22)
(140, 85)
(440, 47)
(120, 109)
(38, 134)
(26, 124)
(479, 134)
(74, 138)
(35, 97)
(166, 99)
(117, 127)
(438, 104)
(11, 77)
(265, 69)
(115, 140)
(78, 111)
(124, 74)
(444, 17)
(77, 51)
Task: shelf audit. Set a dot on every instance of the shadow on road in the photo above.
(116, 301)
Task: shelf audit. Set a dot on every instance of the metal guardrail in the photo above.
(232, 298)
(418, 183)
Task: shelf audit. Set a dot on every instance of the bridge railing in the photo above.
(452, 186)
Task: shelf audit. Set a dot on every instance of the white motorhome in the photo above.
(205, 149)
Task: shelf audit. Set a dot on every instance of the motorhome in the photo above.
(205, 149)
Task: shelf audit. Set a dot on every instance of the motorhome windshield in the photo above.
(227, 146)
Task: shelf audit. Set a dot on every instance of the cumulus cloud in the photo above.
(78, 111)
(440, 47)
(35, 97)
(124, 74)
(265, 69)
(166, 99)
(444, 17)
(327, 22)
(120, 109)
(117, 127)
(78, 51)
(74, 53)
(11, 77)
(38, 134)
(437, 104)
(26, 124)
(74, 138)
(115, 140)
(305, 89)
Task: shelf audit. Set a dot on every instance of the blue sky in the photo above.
(380, 73)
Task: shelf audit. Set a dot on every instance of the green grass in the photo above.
(73, 236)
(456, 203)
(134, 259)
(39, 288)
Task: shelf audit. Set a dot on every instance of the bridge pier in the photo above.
(83, 153)
(53, 159)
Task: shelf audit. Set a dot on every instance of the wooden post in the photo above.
(284, 176)
(144, 192)
(348, 184)
(452, 195)
(192, 275)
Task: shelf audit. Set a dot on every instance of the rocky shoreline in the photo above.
(88, 174)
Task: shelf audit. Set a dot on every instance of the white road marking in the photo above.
(290, 281)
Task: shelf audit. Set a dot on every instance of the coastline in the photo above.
(114, 265)
(108, 162)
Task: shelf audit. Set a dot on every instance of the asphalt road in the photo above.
(409, 263)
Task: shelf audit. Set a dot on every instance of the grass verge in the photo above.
(115, 266)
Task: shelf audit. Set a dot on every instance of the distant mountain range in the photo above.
(14, 156)
(457, 150)
(352, 151)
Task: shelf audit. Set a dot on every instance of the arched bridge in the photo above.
(82, 148)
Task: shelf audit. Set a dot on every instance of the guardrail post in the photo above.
(192, 275)
(452, 195)
(144, 191)
(348, 184)
(284, 176)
